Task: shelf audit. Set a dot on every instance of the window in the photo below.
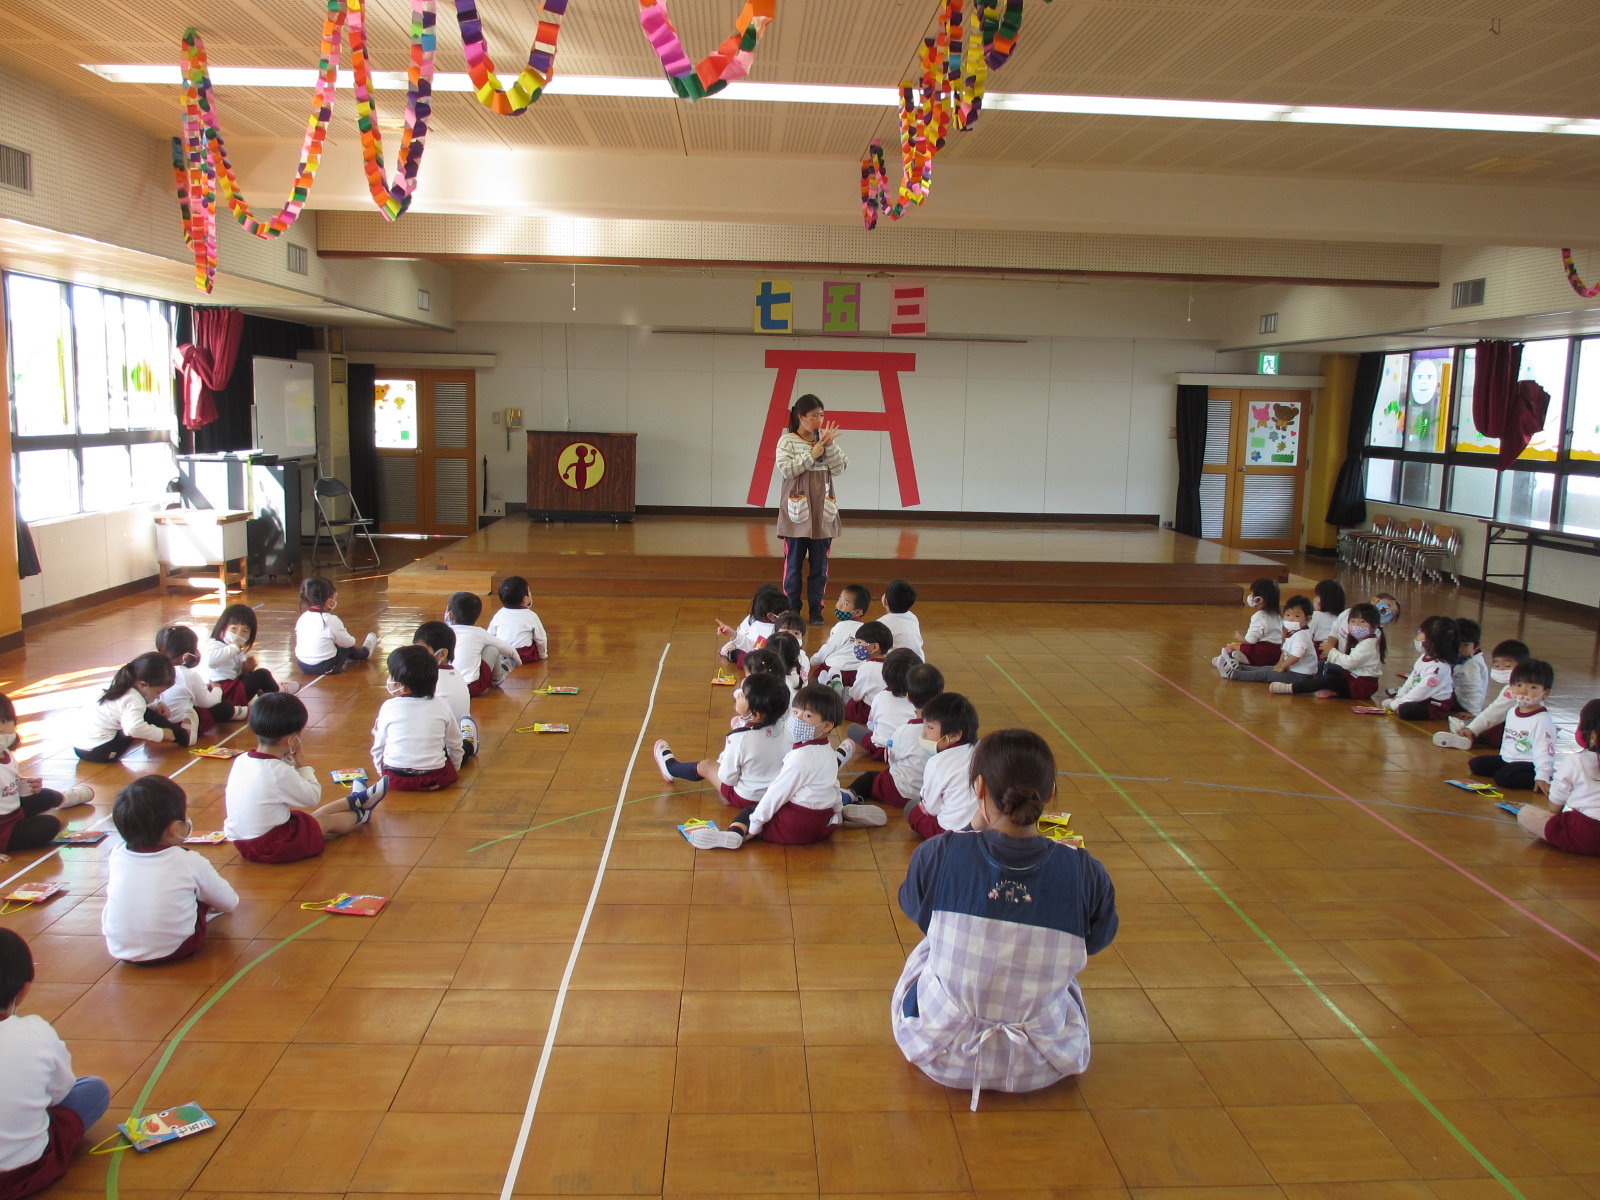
(91, 385)
(1424, 451)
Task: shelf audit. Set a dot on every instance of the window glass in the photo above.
(1467, 436)
(94, 377)
(1546, 362)
(1472, 490)
(47, 484)
(1525, 497)
(1427, 410)
(1586, 402)
(1389, 414)
(1582, 511)
(153, 468)
(1382, 475)
(395, 414)
(40, 355)
(116, 360)
(149, 364)
(107, 478)
(1421, 484)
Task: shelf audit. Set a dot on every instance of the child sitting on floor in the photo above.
(159, 896)
(890, 708)
(1471, 671)
(899, 620)
(947, 801)
(416, 742)
(1352, 669)
(44, 1108)
(1527, 757)
(26, 804)
(872, 645)
(1425, 695)
(517, 624)
(440, 640)
(1572, 822)
(803, 804)
(1488, 727)
(907, 752)
(483, 659)
(227, 663)
(794, 624)
(754, 630)
(837, 658)
(273, 801)
(1262, 641)
(1298, 660)
(126, 712)
(322, 645)
(753, 753)
(787, 647)
(1388, 609)
(191, 702)
(1328, 599)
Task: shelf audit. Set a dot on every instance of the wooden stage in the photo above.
(714, 557)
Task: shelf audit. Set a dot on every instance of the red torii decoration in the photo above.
(892, 420)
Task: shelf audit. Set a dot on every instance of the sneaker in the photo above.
(716, 839)
(370, 643)
(1281, 689)
(241, 712)
(1458, 725)
(1452, 741)
(663, 755)
(1225, 665)
(288, 687)
(847, 751)
(364, 799)
(817, 621)
(860, 813)
(78, 793)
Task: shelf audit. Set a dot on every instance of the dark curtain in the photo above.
(1192, 402)
(1348, 507)
(1503, 406)
(363, 481)
(27, 553)
(206, 362)
(259, 337)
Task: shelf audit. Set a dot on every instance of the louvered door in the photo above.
(1265, 467)
(425, 442)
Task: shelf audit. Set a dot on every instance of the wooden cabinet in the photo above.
(581, 476)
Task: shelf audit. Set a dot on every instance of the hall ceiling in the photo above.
(1427, 54)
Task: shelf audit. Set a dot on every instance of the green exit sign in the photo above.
(1267, 364)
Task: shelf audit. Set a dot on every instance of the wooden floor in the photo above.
(1309, 997)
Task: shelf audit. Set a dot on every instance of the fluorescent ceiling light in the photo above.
(628, 87)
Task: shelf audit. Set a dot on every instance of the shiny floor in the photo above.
(1336, 976)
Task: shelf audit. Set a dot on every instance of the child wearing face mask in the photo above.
(274, 803)
(26, 804)
(1488, 727)
(1299, 656)
(1527, 757)
(1572, 822)
(753, 753)
(836, 661)
(908, 751)
(227, 663)
(1329, 601)
(192, 702)
(803, 804)
(322, 645)
(1352, 669)
(126, 712)
(1388, 609)
(1426, 693)
(416, 742)
(1471, 671)
(948, 800)
(872, 645)
(1262, 641)
(440, 641)
(159, 896)
(793, 624)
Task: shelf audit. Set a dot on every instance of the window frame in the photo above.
(77, 441)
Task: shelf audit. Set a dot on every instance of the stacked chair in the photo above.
(1413, 550)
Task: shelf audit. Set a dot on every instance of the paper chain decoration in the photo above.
(200, 161)
(1588, 293)
(956, 64)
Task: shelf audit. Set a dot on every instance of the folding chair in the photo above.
(327, 491)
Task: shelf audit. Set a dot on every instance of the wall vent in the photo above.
(1467, 294)
(299, 259)
(16, 169)
(424, 300)
(1269, 323)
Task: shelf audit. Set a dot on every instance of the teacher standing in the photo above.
(808, 511)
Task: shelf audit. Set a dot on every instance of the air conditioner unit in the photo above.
(332, 390)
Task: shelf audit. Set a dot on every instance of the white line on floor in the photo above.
(577, 945)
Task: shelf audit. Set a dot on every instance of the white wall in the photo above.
(87, 554)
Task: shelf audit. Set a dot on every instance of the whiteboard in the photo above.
(284, 417)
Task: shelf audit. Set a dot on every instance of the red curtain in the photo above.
(1503, 406)
(206, 364)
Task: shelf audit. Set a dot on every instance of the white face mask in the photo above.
(393, 688)
(7, 740)
(1292, 626)
(930, 745)
(1417, 642)
(1254, 602)
(234, 638)
(1500, 676)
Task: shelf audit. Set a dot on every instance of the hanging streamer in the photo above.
(969, 45)
(1588, 293)
(729, 63)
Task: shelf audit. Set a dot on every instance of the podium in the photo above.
(582, 476)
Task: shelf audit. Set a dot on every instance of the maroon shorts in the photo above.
(421, 781)
(188, 946)
(529, 654)
(478, 687)
(1573, 832)
(234, 692)
(66, 1132)
(1361, 687)
(207, 721)
(1261, 654)
(871, 748)
(924, 824)
(885, 792)
(857, 711)
(733, 797)
(793, 825)
(1492, 736)
(297, 838)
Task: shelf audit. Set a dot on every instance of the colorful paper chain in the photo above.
(969, 46)
(729, 63)
(1588, 293)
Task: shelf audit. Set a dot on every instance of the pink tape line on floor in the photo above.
(1451, 863)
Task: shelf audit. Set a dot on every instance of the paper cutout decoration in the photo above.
(168, 1125)
(728, 63)
(841, 308)
(774, 311)
(1272, 434)
(908, 312)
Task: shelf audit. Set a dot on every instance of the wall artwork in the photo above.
(774, 309)
(841, 307)
(1272, 434)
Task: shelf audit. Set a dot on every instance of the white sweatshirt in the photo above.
(887, 713)
(749, 635)
(125, 714)
(808, 777)
(1531, 737)
(12, 786)
(452, 689)
(1494, 712)
(838, 653)
(1323, 625)
(221, 661)
(188, 692)
(1362, 659)
(151, 900)
(906, 630)
(947, 792)
(907, 758)
(751, 759)
(1472, 683)
(1430, 679)
(416, 733)
(260, 792)
(869, 680)
(1301, 643)
(520, 627)
(38, 1072)
(1576, 785)
(473, 647)
(1264, 628)
(318, 636)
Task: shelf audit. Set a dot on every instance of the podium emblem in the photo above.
(581, 466)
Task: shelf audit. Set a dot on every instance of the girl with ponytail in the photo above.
(128, 711)
(990, 998)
